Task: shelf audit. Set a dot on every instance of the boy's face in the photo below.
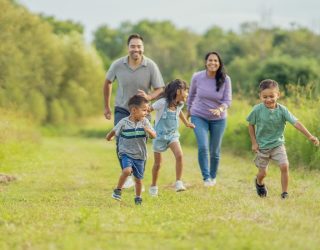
(269, 97)
(140, 112)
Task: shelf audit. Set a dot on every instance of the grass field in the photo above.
(62, 200)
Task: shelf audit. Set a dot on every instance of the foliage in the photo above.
(63, 27)
(37, 66)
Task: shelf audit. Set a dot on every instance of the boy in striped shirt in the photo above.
(133, 132)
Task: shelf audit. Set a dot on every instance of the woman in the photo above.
(209, 98)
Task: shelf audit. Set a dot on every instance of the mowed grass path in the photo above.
(62, 200)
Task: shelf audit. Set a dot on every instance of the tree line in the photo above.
(48, 71)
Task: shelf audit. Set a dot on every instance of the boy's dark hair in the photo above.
(170, 91)
(136, 101)
(221, 72)
(268, 84)
(134, 36)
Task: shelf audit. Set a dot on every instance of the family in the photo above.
(207, 101)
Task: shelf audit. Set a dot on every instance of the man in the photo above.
(135, 74)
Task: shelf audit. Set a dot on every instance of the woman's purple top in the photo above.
(204, 96)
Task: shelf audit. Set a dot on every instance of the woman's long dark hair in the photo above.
(170, 91)
(221, 74)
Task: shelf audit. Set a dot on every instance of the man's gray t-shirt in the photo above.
(132, 138)
(145, 77)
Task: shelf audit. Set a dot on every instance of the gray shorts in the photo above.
(277, 154)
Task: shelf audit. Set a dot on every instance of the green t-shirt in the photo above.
(269, 124)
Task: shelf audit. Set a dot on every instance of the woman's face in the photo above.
(212, 63)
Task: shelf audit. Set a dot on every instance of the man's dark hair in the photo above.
(268, 84)
(134, 36)
(136, 101)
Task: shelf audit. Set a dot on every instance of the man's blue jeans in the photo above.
(209, 135)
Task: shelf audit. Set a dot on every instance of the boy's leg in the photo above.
(284, 168)
(177, 152)
(138, 183)
(262, 191)
(262, 173)
(156, 168)
(124, 174)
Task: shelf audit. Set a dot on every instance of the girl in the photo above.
(168, 109)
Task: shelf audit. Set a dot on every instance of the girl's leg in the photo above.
(156, 168)
(124, 174)
(216, 130)
(177, 152)
(138, 183)
(284, 168)
(201, 132)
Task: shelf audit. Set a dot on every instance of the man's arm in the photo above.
(153, 95)
(255, 146)
(107, 89)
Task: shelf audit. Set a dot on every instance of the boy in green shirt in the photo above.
(267, 121)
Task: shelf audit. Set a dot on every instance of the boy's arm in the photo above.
(152, 134)
(255, 146)
(110, 135)
(185, 121)
(298, 125)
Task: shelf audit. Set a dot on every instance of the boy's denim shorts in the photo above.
(136, 165)
(277, 154)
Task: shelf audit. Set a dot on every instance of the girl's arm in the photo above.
(255, 146)
(185, 121)
(110, 135)
(298, 125)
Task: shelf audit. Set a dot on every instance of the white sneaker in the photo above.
(153, 190)
(179, 186)
(129, 182)
(213, 181)
(208, 183)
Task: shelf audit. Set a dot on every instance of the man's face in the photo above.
(135, 49)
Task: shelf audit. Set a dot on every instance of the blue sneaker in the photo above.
(262, 190)
(138, 200)
(284, 195)
(116, 194)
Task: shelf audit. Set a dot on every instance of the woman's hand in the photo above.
(215, 112)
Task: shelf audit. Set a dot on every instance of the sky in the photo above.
(197, 16)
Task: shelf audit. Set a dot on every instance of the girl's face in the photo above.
(182, 95)
(212, 63)
(269, 97)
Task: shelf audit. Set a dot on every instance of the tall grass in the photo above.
(18, 135)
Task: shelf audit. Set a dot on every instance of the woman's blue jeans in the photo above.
(209, 135)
